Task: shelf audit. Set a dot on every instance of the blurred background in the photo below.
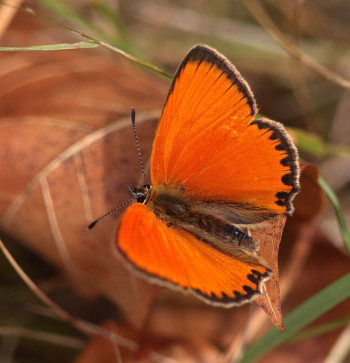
(67, 154)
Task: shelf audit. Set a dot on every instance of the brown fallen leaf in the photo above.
(69, 154)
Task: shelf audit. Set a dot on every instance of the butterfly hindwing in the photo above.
(172, 256)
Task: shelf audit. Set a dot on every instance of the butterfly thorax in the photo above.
(204, 219)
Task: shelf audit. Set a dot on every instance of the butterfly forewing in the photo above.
(209, 143)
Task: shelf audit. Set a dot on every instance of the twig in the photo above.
(264, 19)
(301, 90)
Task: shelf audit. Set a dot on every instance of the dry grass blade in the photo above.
(51, 47)
(341, 349)
(7, 13)
(263, 18)
(43, 336)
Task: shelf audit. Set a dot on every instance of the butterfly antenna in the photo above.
(138, 149)
(93, 224)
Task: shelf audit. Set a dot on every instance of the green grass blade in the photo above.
(338, 211)
(63, 46)
(103, 44)
(309, 311)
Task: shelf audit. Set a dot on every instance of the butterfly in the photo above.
(217, 173)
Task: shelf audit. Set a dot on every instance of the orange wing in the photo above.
(209, 142)
(173, 256)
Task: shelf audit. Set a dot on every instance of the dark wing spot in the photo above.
(249, 290)
(287, 179)
(253, 278)
(256, 273)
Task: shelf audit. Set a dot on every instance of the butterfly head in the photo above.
(141, 194)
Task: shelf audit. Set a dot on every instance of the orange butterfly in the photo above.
(217, 173)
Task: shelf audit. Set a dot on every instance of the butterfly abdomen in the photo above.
(176, 210)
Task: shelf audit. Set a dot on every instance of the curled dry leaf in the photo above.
(270, 240)
(308, 204)
(68, 155)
